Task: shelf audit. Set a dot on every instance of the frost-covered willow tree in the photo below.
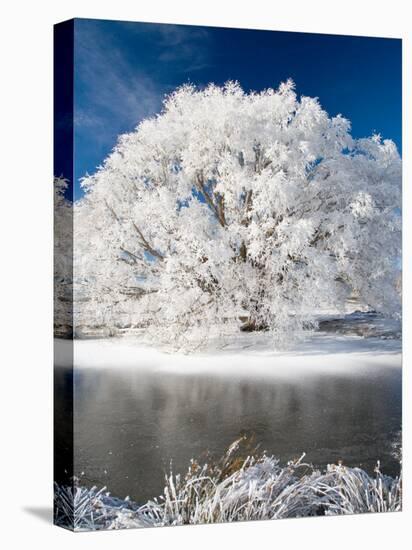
(243, 210)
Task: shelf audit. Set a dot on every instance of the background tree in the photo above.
(63, 260)
(241, 210)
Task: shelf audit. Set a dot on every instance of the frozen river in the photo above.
(130, 422)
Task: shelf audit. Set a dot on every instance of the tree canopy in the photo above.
(240, 211)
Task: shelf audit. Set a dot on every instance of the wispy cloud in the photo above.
(108, 86)
(122, 73)
(110, 80)
(186, 47)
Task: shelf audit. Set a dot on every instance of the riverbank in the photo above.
(346, 343)
(250, 355)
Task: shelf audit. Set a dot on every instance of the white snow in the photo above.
(250, 356)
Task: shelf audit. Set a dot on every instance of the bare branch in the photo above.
(146, 245)
(201, 187)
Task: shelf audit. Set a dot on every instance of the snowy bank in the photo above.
(251, 355)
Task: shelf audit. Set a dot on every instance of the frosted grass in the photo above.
(233, 489)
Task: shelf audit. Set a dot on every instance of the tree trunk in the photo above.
(251, 325)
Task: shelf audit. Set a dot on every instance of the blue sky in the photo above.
(123, 71)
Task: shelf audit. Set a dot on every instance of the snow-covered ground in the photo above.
(350, 345)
